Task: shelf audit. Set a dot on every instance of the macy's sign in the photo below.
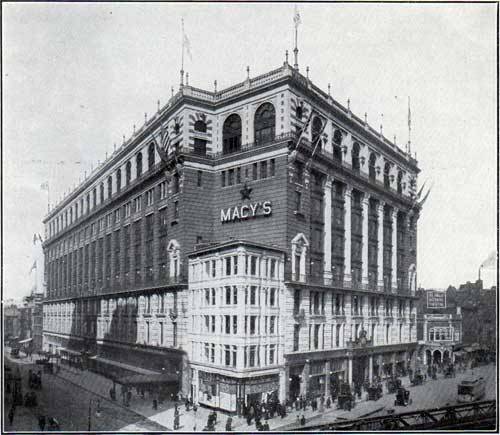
(246, 211)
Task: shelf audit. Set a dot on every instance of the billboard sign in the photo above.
(436, 299)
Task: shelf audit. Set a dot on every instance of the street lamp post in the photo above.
(90, 414)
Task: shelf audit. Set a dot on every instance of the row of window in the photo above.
(239, 174)
(253, 266)
(228, 295)
(228, 355)
(254, 325)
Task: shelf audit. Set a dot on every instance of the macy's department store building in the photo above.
(271, 251)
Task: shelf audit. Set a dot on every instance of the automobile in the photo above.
(471, 389)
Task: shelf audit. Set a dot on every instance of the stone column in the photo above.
(349, 370)
(394, 216)
(283, 391)
(347, 234)
(370, 368)
(364, 255)
(327, 378)
(380, 246)
(327, 214)
(304, 387)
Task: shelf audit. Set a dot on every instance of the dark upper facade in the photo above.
(235, 168)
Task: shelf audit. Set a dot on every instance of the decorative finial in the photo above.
(329, 89)
(349, 104)
(172, 91)
(158, 105)
(366, 118)
(123, 138)
(134, 128)
(182, 78)
(307, 73)
(286, 56)
(145, 117)
(187, 79)
(381, 129)
(215, 85)
(248, 72)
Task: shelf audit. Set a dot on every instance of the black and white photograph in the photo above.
(249, 216)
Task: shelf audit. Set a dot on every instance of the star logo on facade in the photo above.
(245, 192)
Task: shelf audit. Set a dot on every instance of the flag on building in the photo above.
(296, 17)
(186, 44)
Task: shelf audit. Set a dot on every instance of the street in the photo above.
(66, 397)
(69, 405)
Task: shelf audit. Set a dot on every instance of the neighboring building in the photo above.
(439, 328)
(272, 252)
(11, 322)
(479, 313)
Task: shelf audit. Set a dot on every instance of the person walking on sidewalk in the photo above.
(41, 422)
(11, 415)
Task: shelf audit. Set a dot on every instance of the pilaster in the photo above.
(327, 201)
(364, 258)
(347, 234)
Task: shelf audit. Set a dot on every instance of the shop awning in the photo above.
(148, 379)
(27, 340)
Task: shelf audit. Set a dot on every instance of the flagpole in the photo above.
(409, 128)
(182, 56)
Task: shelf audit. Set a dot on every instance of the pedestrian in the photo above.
(302, 420)
(155, 404)
(98, 408)
(328, 402)
(176, 422)
(41, 422)
(298, 419)
(11, 416)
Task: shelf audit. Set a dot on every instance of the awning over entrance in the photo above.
(148, 379)
(27, 340)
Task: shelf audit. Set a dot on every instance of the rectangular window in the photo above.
(199, 179)
(163, 190)
(223, 178)
(235, 295)
(227, 322)
(117, 216)
(230, 177)
(212, 323)
(272, 324)
(272, 168)
(263, 169)
(272, 271)
(228, 295)
(149, 197)
(296, 334)
(213, 296)
(227, 355)
(272, 297)
(253, 295)
(234, 355)
(235, 324)
(137, 204)
(253, 322)
(254, 171)
(253, 265)
(127, 209)
(272, 352)
(252, 355)
(235, 265)
(214, 268)
(238, 175)
(228, 265)
(298, 201)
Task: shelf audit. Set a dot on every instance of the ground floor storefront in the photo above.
(232, 393)
(311, 376)
(118, 361)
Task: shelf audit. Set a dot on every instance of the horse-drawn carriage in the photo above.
(374, 391)
(417, 379)
(402, 397)
(345, 398)
(393, 384)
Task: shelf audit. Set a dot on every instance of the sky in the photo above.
(77, 77)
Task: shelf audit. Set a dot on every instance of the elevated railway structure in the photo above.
(474, 416)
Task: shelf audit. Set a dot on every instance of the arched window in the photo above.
(387, 169)
(110, 186)
(355, 156)
(101, 191)
(264, 123)
(128, 173)
(138, 162)
(400, 182)
(118, 180)
(337, 142)
(231, 134)
(151, 156)
(200, 126)
(317, 126)
(371, 166)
